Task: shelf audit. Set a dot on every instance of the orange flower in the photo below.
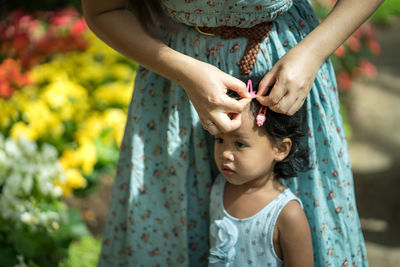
(353, 43)
(374, 47)
(340, 52)
(11, 77)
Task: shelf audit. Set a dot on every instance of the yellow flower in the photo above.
(121, 72)
(114, 93)
(48, 72)
(115, 119)
(87, 155)
(21, 129)
(69, 159)
(66, 191)
(38, 115)
(8, 113)
(67, 98)
(75, 179)
(91, 127)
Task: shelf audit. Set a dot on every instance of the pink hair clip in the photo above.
(260, 119)
(250, 86)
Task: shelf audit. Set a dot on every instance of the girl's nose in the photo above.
(227, 154)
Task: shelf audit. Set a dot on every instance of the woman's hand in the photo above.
(292, 78)
(206, 87)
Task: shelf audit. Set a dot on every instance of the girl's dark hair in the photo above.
(279, 126)
(150, 14)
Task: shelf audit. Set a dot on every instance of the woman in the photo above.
(159, 205)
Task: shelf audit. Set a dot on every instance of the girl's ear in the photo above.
(282, 149)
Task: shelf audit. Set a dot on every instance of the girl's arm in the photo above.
(293, 75)
(204, 84)
(294, 236)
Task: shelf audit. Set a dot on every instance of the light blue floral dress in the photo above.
(244, 242)
(158, 215)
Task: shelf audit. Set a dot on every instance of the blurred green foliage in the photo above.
(387, 12)
(84, 253)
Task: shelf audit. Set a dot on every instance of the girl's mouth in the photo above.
(227, 171)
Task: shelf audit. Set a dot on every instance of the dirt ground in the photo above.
(374, 150)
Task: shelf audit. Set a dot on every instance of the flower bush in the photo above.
(76, 101)
(34, 38)
(35, 225)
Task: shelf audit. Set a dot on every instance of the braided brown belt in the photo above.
(255, 35)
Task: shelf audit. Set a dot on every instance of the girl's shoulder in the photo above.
(292, 207)
(292, 217)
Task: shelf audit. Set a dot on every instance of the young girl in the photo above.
(255, 220)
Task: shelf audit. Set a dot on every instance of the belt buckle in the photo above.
(201, 32)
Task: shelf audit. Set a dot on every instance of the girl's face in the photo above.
(247, 154)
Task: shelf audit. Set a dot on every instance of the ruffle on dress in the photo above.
(226, 236)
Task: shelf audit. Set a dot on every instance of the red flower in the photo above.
(78, 27)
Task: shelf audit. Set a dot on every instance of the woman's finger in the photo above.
(227, 122)
(237, 85)
(277, 93)
(235, 106)
(286, 103)
(213, 130)
(267, 81)
(299, 103)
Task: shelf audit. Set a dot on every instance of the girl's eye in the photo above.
(240, 144)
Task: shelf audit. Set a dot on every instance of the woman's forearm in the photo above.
(342, 21)
(119, 28)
